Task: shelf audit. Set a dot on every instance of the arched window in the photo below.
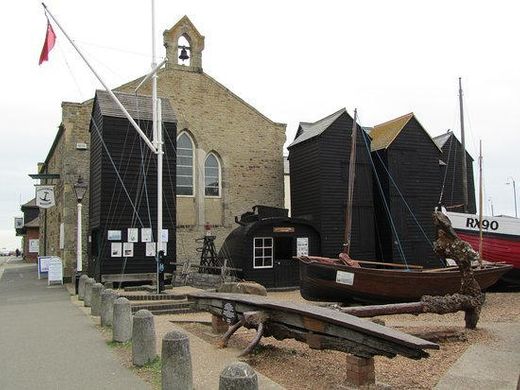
(185, 165)
(212, 176)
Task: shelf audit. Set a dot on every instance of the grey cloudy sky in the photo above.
(293, 61)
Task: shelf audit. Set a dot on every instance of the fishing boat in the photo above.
(346, 280)
(500, 239)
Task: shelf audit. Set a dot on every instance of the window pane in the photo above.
(268, 262)
(211, 161)
(184, 171)
(268, 252)
(258, 242)
(184, 142)
(184, 190)
(184, 181)
(268, 242)
(212, 191)
(258, 262)
(211, 176)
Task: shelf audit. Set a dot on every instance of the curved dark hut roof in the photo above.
(236, 242)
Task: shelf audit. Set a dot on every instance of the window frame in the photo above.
(263, 257)
(219, 177)
(193, 181)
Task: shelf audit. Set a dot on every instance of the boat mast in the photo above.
(463, 150)
(350, 188)
(480, 206)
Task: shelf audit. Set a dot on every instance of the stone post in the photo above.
(81, 287)
(143, 338)
(360, 370)
(238, 376)
(122, 321)
(108, 296)
(88, 292)
(95, 299)
(176, 368)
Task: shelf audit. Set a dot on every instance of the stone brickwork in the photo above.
(69, 162)
(248, 145)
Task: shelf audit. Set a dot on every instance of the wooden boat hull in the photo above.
(338, 283)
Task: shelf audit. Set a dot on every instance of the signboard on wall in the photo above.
(302, 246)
(45, 197)
(34, 245)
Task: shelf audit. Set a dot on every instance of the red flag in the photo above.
(50, 39)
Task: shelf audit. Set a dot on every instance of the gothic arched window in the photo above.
(185, 177)
(212, 176)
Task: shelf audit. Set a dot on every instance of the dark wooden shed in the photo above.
(319, 164)
(451, 174)
(264, 244)
(119, 156)
(405, 152)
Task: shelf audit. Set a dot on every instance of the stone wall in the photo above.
(249, 147)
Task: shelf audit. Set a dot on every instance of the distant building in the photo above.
(407, 165)
(451, 174)
(319, 159)
(229, 155)
(30, 231)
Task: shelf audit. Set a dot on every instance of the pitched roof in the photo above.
(139, 106)
(35, 223)
(441, 140)
(31, 203)
(385, 133)
(308, 130)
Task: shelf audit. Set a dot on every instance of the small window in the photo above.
(184, 165)
(263, 252)
(212, 176)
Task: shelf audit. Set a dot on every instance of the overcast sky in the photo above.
(293, 61)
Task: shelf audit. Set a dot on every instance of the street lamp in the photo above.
(80, 189)
(514, 192)
(491, 205)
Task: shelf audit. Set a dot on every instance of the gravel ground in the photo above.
(295, 366)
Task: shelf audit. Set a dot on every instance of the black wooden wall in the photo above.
(110, 208)
(319, 179)
(413, 162)
(452, 172)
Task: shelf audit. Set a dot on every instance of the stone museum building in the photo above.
(229, 155)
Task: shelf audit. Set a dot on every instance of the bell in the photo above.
(184, 54)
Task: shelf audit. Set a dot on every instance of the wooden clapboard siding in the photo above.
(413, 162)
(110, 208)
(453, 187)
(319, 179)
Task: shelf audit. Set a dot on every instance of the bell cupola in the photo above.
(184, 45)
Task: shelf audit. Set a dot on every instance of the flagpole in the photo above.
(112, 95)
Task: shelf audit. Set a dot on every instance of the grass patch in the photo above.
(151, 371)
(115, 344)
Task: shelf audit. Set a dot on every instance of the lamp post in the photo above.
(514, 192)
(80, 189)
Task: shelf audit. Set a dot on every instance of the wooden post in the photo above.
(360, 371)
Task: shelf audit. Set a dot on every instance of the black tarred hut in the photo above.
(118, 156)
(319, 160)
(264, 244)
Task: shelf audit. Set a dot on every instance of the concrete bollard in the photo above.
(176, 368)
(81, 287)
(238, 376)
(122, 321)
(95, 299)
(88, 292)
(108, 296)
(143, 338)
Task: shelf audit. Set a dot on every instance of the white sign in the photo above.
(165, 235)
(150, 249)
(43, 265)
(62, 235)
(345, 277)
(302, 246)
(115, 249)
(34, 245)
(18, 223)
(45, 196)
(128, 249)
(55, 271)
(114, 235)
(133, 235)
(146, 235)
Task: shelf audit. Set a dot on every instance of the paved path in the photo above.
(488, 366)
(47, 343)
